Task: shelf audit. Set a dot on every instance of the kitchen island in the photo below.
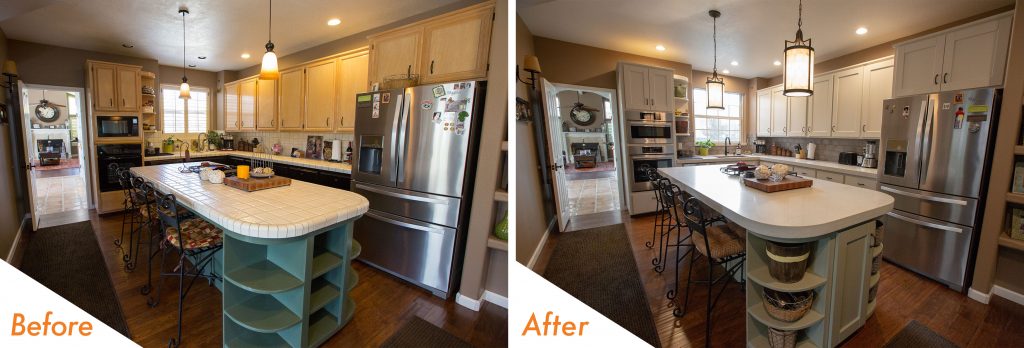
(286, 261)
(836, 219)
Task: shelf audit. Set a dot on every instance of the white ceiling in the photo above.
(221, 30)
(751, 32)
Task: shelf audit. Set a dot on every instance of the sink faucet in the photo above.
(202, 144)
(727, 142)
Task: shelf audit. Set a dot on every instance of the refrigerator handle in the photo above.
(925, 223)
(395, 141)
(926, 142)
(402, 131)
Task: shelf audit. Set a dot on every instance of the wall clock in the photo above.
(47, 112)
(582, 115)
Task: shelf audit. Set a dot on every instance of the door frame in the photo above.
(612, 95)
(84, 138)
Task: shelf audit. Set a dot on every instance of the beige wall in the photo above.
(531, 219)
(575, 64)
(61, 66)
(10, 212)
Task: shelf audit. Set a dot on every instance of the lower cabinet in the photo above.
(851, 281)
(642, 202)
(861, 182)
(831, 176)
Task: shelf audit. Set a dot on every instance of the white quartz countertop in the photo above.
(799, 214)
(813, 164)
(301, 162)
(281, 212)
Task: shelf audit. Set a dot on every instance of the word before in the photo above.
(57, 328)
(569, 328)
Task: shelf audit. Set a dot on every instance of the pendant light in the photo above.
(715, 84)
(799, 71)
(268, 70)
(184, 79)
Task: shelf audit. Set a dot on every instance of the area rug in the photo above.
(419, 333)
(596, 266)
(916, 335)
(67, 259)
(64, 164)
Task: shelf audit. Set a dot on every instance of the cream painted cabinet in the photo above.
(819, 118)
(231, 106)
(780, 108)
(321, 95)
(646, 88)
(797, 116)
(877, 88)
(851, 281)
(918, 66)
(104, 78)
(266, 104)
(660, 90)
(395, 53)
(352, 81)
(764, 113)
(129, 89)
(456, 47)
(247, 104)
(291, 99)
(848, 103)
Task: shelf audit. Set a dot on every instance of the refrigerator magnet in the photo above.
(386, 99)
(946, 106)
(427, 104)
(463, 116)
(958, 118)
(958, 98)
(375, 114)
(456, 105)
(437, 117)
(460, 129)
(438, 91)
(376, 98)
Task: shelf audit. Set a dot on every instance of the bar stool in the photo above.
(127, 214)
(720, 244)
(156, 234)
(663, 225)
(196, 241)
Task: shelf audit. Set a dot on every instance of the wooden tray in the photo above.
(787, 183)
(256, 184)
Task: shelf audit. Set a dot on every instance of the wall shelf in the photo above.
(497, 244)
(1007, 242)
(262, 313)
(1013, 197)
(263, 277)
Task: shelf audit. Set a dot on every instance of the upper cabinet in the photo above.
(780, 108)
(116, 87)
(969, 56)
(848, 102)
(321, 95)
(646, 88)
(764, 113)
(353, 80)
(247, 104)
(451, 47)
(819, 118)
(231, 106)
(291, 98)
(266, 104)
(877, 88)
(129, 88)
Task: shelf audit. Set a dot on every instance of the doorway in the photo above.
(56, 151)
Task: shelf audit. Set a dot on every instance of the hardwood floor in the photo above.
(383, 304)
(902, 296)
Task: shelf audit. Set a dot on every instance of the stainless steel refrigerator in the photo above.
(414, 161)
(934, 160)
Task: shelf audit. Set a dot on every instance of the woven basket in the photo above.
(787, 262)
(787, 306)
(876, 236)
(781, 338)
(873, 292)
(876, 262)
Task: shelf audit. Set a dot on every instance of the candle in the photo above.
(243, 172)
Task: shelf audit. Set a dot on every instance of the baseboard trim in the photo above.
(540, 246)
(495, 299)
(17, 238)
(978, 296)
(1008, 294)
(467, 302)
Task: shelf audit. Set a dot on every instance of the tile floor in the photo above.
(60, 194)
(590, 196)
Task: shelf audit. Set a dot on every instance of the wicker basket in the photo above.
(876, 262)
(876, 236)
(781, 338)
(787, 262)
(787, 306)
(873, 292)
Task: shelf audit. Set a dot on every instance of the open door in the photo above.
(26, 130)
(556, 152)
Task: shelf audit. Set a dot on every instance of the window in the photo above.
(184, 116)
(717, 124)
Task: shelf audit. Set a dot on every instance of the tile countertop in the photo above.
(813, 164)
(281, 212)
(301, 162)
(799, 214)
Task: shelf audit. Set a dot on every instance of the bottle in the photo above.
(348, 152)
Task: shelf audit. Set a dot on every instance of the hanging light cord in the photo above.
(270, 19)
(800, 15)
(714, 39)
(184, 67)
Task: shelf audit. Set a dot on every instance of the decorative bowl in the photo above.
(216, 177)
(762, 172)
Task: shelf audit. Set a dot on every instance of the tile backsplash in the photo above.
(827, 149)
(291, 140)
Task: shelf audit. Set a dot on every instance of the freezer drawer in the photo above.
(954, 209)
(430, 208)
(934, 248)
(412, 250)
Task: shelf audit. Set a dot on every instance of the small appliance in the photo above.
(117, 126)
(760, 146)
(227, 142)
(848, 158)
(870, 153)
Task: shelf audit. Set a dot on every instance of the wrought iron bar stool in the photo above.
(156, 233)
(127, 211)
(663, 225)
(196, 241)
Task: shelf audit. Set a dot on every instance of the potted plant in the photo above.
(213, 138)
(167, 145)
(704, 146)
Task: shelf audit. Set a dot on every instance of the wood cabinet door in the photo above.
(780, 107)
(247, 104)
(129, 89)
(659, 89)
(231, 106)
(456, 48)
(395, 54)
(266, 104)
(797, 116)
(353, 80)
(321, 95)
(918, 66)
(635, 87)
(877, 88)
(764, 113)
(851, 281)
(292, 99)
(819, 119)
(848, 103)
(975, 56)
(104, 78)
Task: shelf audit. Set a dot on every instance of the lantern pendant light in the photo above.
(268, 70)
(799, 70)
(715, 84)
(184, 90)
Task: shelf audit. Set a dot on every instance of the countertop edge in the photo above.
(787, 160)
(328, 166)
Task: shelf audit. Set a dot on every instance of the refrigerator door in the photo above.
(956, 142)
(900, 145)
(374, 158)
(435, 209)
(955, 209)
(436, 137)
(934, 248)
(413, 250)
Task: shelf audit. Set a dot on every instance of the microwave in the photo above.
(117, 126)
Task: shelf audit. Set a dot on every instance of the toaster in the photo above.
(849, 158)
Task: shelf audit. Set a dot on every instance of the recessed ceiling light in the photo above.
(333, 21)
(726, 71)
(202, 57)
(861, 31)
(127, 45)
(659, 47)
(734, 63)
(245, 56)
(776, 63)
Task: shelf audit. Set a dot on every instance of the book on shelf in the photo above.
(1018, 177)
(1017, 224)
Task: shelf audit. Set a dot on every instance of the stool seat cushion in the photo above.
(723, 240)
(198, 234)
(153, 207)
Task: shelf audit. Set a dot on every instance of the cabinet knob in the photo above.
(936, 79)
(945, 78)
(863, 128)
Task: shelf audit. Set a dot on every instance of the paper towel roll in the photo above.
(336, 150)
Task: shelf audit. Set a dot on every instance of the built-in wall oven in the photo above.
(642, 182)
(124, 155)
(117, 126)
(648, 128)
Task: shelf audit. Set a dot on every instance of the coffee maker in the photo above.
(227, 142)
(870, 155)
